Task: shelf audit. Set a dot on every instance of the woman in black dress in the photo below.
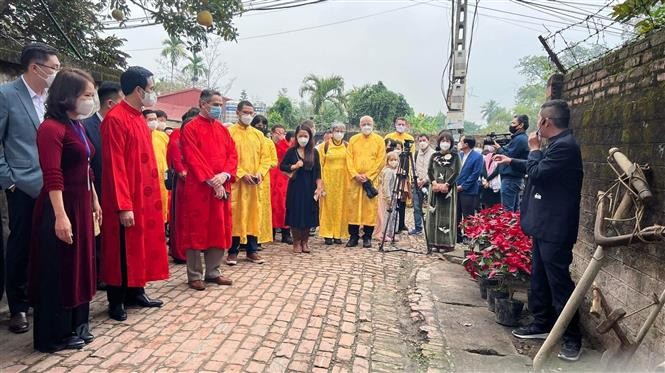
(62, 263)
(301, 162)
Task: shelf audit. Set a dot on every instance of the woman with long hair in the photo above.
(305, 188)
(62, 263)
(441, 219)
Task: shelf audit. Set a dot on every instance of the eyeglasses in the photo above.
(54, 68)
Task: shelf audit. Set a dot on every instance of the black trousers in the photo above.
(401, 209)
(120, 294)
(20, 206)
(551, 285)
(466, 205)
(354, 231)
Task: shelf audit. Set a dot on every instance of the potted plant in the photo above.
(501, 254)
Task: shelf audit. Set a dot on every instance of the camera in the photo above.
(407, 146)
(500, 138)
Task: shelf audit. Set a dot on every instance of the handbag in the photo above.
(169, 179)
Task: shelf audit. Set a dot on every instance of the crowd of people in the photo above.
(100, 191)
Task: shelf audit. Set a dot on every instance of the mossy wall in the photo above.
(619, 101)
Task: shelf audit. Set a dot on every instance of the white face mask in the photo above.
(49, 77)
(393, 163)
(152, 124)
(366, 130)
(160, 125)
(338, 136)
(85, 108)
(444, 145)
(149, 98)
(423, 145)
(246, 119)
(400, 128)
(303, 141)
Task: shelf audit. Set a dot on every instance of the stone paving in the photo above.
(335, 310)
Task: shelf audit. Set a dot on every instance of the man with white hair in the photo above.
(365, 157)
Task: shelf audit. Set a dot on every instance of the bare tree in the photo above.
(215, 69)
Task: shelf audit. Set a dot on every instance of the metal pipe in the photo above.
(570, 309)
(635, 174)
(650, 319)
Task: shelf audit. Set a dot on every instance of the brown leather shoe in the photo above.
(255, 258)
(232, 259)
(197, 285)
(221, 280)
(18, 323)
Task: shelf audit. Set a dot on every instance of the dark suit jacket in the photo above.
(550, 209)
(469, 175)
(92, 128)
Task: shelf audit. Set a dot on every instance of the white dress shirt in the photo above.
(39, 102)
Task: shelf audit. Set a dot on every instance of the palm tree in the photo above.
(324, 90)
(174, 50)
(195, 67)
(490, 110)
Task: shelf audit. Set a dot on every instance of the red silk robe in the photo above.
(177, 208)
(131, 183)
(207, 149)
(278, 185)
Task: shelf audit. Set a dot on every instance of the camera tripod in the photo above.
(406, 164)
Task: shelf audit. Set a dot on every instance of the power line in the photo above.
(311, 27)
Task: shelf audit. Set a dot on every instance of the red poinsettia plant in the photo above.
(499, 247)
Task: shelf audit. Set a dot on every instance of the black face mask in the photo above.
(512, 129)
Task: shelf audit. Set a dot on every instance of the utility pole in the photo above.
(457, 87)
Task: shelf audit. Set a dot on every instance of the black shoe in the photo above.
(74, 343)
(18, 323)
(143, 301)
(87, 337)
(287, 239)
(83, 332)
(531, 332)
(117, 312)
(337, 241)
(101, 286)
(570, 350)
(353, 242)
(328, 241)
(367, 243)
(179, 261)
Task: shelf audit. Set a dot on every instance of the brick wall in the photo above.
(620, 101)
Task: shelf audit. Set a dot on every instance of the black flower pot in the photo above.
(492, 295)
(508, 311)
(484, 284)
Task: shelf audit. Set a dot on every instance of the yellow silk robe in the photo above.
(160, 142)
(245, 198)
(269, 156)
(365, 155)
(335, 177)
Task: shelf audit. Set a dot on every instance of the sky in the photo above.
(403, 43)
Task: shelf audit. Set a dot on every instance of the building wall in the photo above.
(619, 101)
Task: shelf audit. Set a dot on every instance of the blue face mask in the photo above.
(215, 112)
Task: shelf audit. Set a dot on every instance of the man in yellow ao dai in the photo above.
(365, 157)
(253, 165)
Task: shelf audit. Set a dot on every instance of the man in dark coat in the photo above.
(550, 215)
(109, 94)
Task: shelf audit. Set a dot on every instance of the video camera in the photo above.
(407, 146)
(500, 138)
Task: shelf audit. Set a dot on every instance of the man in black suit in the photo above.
(550, 215)
(109, 94)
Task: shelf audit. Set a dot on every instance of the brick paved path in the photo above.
(334, 310)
